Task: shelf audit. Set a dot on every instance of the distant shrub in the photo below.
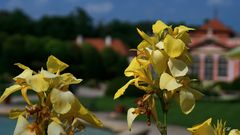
(234, 85)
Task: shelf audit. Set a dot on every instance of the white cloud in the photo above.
(99, 8)
(218, 2)
(12, 4)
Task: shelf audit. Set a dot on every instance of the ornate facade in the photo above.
(209, 44)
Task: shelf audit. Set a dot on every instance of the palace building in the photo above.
(210, 42)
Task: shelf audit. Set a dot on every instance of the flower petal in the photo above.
(24, 75)
(130, 117)
(47, 74)
(168, 82)
(202, 129)
(77, 124)
(54, 65)
(86, 115)
(143, 45)
(187, 101)
(24, 95)
(145, 37)
(55, 129)
(197, 94)
(8, 91)
(68, 78)
(173, 47)
(177, 67)
(79, 111)
(22, 126)
(160, 45)
(182, 29)
(38, 83)
(133, 66)
(159, 61)
(21, 66)
(158, 27)
(15, 113)
(62, 100)
(234, 132)
(121, 91)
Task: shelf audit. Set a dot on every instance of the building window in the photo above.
(208, 75)
(195, 65)
(222, 66)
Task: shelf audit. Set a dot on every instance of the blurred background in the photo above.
(94, 38)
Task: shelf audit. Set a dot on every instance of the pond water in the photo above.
(7, 127)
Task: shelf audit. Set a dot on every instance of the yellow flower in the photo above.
(234, 132)
(138, 68)
(23, 127)
(202, 129)
(207, 129)
(58, 107)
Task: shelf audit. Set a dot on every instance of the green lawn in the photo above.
(229, 111)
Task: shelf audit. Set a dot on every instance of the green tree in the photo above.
(13, 51)
(113, 63)
(82, 22)
(15, 22)
(92, 62)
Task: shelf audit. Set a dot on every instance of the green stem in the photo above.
(162, 127)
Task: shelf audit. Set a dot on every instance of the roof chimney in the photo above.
(209, 32)
(79, 40)
(108, 41)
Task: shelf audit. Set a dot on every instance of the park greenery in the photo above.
(31, 50)
(29, 41)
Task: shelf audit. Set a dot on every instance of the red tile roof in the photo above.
(216, 25)
(214, 31)
(117, 45)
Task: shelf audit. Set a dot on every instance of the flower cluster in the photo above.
(58, 111)
(160, 68)
(206, 128)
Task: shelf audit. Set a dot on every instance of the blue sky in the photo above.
(189, 11)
